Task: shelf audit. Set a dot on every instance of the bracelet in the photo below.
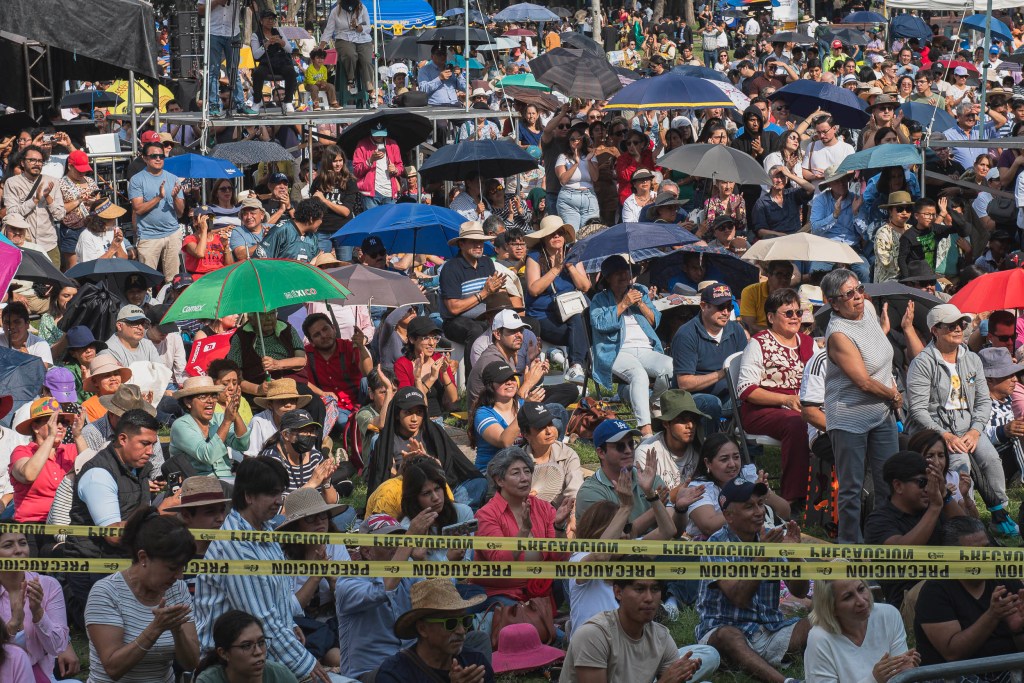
(652, 498)
(144, 649)
(560, 528)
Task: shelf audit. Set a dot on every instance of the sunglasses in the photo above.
(564, 127)
(920, 481)
(575, 139)
(722, 307)
(950, 327)
(846, 296)
(791, 313)
(1002, 337)
(452, 623)
(623, 446)
(617, 133)
(156, 156)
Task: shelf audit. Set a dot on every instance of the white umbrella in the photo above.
(801, 246)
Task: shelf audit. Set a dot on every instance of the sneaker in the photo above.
(671, 609)
(575, 375)
(557, 357)
(246, 110)
(1001, 523)
(289, 108)
(352, 88)
(344, 488)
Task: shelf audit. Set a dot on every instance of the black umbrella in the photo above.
(561, 11)
(553, 58)
(486, 158)
(405, 128)
(849, 36)
(36, 267)
(407, 47)
(598, 82)
(115, 272)
(541, 100)
(453, 35)
(88, 99)
(581, 42)
(791, 37)
(897, 295)
(12, 124)
(252, 152)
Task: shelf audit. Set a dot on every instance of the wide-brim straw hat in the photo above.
(305, 502)
(282, 388)
(195, 386)
(197, 492)
(102, 365)
(429, 597)
(127, 397)
(470, 230)
(549, 225)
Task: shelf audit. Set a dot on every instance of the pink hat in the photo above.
(520, 649)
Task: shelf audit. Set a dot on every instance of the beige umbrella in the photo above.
(801, 246)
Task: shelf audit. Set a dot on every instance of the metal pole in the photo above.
(984, 70)
(156, 108)
(466, 54)
(204, 148)
(376, 76)
(132, 112)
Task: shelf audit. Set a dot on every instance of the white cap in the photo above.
(960, 71)
(398, 69)
(945, 313)
(507, 320)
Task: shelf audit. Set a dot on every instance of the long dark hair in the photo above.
(415, 475)
(225, 629)
(297, 551)
(329, 179)
(708, 451)
(163, 537)
(4, 637)
(923, 440)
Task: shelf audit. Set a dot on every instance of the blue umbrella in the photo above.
(670, 91)
(198, 166)
(634, 239)
(926, 113)
(21, 375)
(460, 61)
(881, 156)
(406, 228)
(722, 266)
(525, 11)
(486, 158)
(976, 22)
(805, 96)
(475, 15)
(863, 18)
(700, 72)
(909, 26)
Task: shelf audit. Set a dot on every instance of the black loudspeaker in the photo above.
(186, 40)
(185, 90)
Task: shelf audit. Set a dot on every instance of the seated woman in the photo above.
(424, 487)
(724, 201)
(557, 472)
(82, 348)
(408, 432)
(240, 653)
(295, 446)
(769, 386)
(305, 511)
(282, 396)
(203, 435)
(32, 608)
(493, 415)
(626, 345)
(139, 620)
(387, 498)
(548, 277)
(513, 512)
(930, 444)
(854, 639)
(425, 368)
(228, 377)
(720, 463)
(104, 377)
(369, 420)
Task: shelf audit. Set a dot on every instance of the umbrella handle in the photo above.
(263, 346)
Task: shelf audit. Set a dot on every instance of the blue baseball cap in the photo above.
(612, 431)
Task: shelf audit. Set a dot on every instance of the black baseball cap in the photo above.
(297, 419)
(409, 397)
(904, 466)
(535, 415)
(716, 294)
(278, 178)
(422, 326)
(497, 372)
(372, 246)
(739, 490)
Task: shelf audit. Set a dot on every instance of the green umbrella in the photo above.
(525, 80)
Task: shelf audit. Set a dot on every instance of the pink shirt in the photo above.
(43, 641)
(16, 668)
(32, 502)
(497, 519)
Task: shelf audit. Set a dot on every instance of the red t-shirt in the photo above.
(213, 260)
(340, 373)
(32, 502)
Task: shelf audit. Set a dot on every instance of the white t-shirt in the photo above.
(92, 246)
(36, 346)
(588, 598)
(580, 179)
(834, 657)
(261, 428)
(381, 179)
(822, 158)
(635, 337)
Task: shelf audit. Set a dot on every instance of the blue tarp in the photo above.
(407, 14)
(21, 375)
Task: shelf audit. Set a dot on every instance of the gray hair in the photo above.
(503, 460)
(958, 528)
(964, 107)
(834, 281)
(492, 224)
(666, 184)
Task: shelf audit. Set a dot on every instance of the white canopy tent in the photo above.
(951, 5)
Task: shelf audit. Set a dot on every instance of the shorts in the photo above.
(771, 646)
(67, 239)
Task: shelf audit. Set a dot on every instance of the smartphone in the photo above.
(542, 356)
(443, 347)
(461, 528)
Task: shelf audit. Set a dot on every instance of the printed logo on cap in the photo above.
(721, 291)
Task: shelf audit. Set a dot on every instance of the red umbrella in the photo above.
(952, 64)
(992, 292)
(516, 32)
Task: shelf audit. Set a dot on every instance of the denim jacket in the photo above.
(609, 330)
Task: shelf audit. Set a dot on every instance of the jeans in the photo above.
(851, 451)
(639, 366)
(709, 658)
(550, 204)
(572, 334)
(471, 492)
(576, 207)
(861, 269)
(715, 408)
(325, 243)
(221, 51)
(375, 200)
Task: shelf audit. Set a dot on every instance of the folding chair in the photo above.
(735, 425)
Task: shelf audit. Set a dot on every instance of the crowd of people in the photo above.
(898, 421)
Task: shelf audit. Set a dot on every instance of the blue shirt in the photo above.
(964, 156)
(460, 280)
(695, 352)
(366, 621)
(715, 609)
(769, 215)
(244, 238)
(485, 417)
(441, 92)
(538, 306)
(162, 220)
(825, 224)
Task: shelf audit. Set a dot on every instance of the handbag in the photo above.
(536, 611)
(569, 304)
(587, 416)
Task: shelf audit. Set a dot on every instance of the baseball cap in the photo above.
(739, 490)
(837, 43)
(381, 524)
(716, 294)
(61, 384)
(960, 71)
(945, 313)
(131, 313)
(149, 136)
(422, 325)
(508, 320)
(156, 314)
(297, 419)
(372, 245)
(612, 431)
(409, 397)
(993, 50)
(498, 372)
(379, 130)
(535, 415)
(277, 179)
(181, 281)
(993, 174)
(79, 161)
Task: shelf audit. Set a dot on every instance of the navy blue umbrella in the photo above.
(21, 375)
(701, 72)
(722, 266)
(925, 113)
(407, 228)
(805, 96)
(909, 26)
(485, 158)
(670, 91)
(977, 22)
(863, 18)
(637, 240)
(115, 272)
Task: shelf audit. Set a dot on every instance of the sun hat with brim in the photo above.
(302, 503)
(884, 101)
(16, 221)
(80, 337)
(470, 230)
(127, 397)
(549, 225)
(41, 408)
(900, 198)
(251, 202)
(641, 174)
(946, 314)
(432, 597)
(197, 386)
(833, 174)
(280, 389)
(197, 492)
(998, 363)
(675, 402)
(667, 199)
(104, 364)
(520, 649)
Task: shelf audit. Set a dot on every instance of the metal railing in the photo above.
(953, 670)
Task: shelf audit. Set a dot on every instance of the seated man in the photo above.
(437, 619)
(917, 505)
(200, 502)
(467, 280)
(16, 335)
(626, 644)
(129, 343)
(969, 618)
(780, 274)
(335, 365)
(699, 350)
(1003, 430)
(742, 619)
(98, 433)
(674, 446)
(275, 349)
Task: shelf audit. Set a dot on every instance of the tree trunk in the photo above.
(595, 13)
(659, 11)
(688, 14)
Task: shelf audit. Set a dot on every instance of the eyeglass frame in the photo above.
(263, 644)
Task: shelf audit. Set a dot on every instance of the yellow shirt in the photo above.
(552, 40)
(388, 498)
(244, 411)
(752, 302)
(315, 76)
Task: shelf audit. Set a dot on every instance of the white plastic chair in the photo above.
(735, 427)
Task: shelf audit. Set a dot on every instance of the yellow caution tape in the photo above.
(739, 571)
(689, 549)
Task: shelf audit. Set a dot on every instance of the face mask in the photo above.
(304, 443)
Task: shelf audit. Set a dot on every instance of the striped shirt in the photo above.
(112, 603)
(847, 407)
(268, 598)
(459, 280)
(299, 474)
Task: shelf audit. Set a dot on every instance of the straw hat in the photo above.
(549, 225)
(102, 365)
(41, 407)
(430, 597)
(197, 492)
(127, 397)
(305, 502)
(195, 386)
(833, 174)
(282, 388)
(470, 230)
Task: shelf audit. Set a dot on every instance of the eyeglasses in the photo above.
(136, 323)
(452, 623)
(65, 422)
(206, 397)
(920, 481)
(902, 209)
(952, 327)
(564, 126)
(575, 139)
(168, 144)
(156, 156)
(252, 645)
(623, 446)
(224, 189)
(33, 160)
(1002, 337)
(846, 296)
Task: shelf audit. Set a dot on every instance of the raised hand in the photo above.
(645, 475)
(163, 190)
(624, 488)
(421, 523)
